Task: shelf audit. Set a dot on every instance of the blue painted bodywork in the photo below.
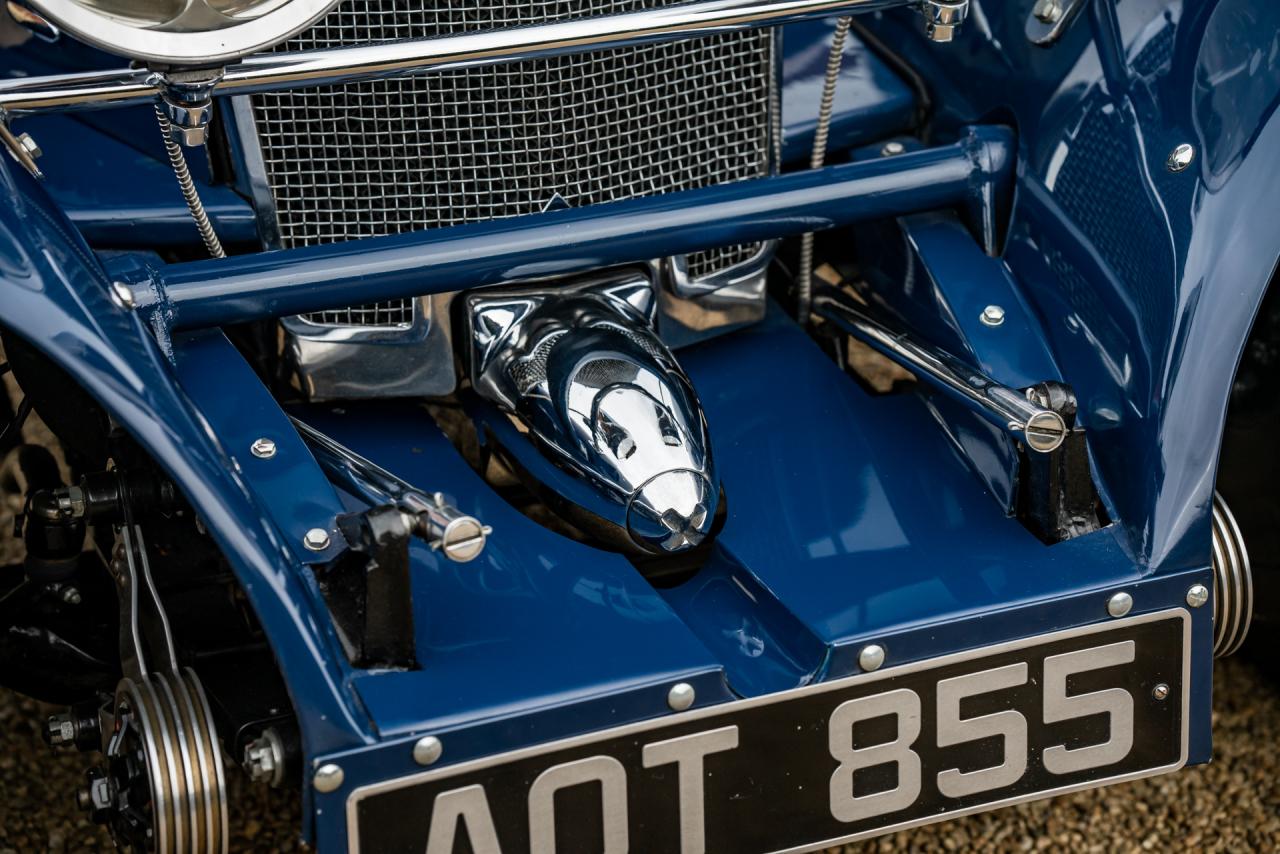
(852, 517)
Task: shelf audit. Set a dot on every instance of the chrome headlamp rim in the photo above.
(192, 48)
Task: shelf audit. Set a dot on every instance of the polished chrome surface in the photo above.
(328, 778)
(871, 657)
(1181, 157)
(603, 399)
(1043, 430)
(182, 31)
(1119, 604)
(1197, 595)
(993, 316)
(428, 516)
(316, 539)
(692, 310)
(1232, 582)
(396, 348)
(943, 17)
(33, 22)
(274, 72)
(681, 696)
(427, 750)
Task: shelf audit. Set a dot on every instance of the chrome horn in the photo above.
(609, 425)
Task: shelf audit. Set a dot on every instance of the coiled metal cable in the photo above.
(178, 161)
(804, 281)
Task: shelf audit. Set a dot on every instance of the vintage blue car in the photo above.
(633, 425)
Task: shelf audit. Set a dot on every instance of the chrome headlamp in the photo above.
(182, 32)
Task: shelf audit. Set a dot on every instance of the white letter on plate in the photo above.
(904, 705)
(1010, 725)
(471, 805)
(687, 752)
(613, 801)
(1116, 702)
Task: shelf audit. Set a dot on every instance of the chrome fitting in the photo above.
(187, 98)
(264, 758)
(943, 17)
(681, 696)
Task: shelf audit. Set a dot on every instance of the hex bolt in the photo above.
(1160, 692)
(1197, 595)
(29, 145)
(1119, 604)
(871, 657)
(681, 696)
(70, 595)
(891, 148)
(328, 778)
(317, 539)
(992, 315)
(1048, 11)
(60, 730)
(263, 448)
(427, 750)
(1181, 157)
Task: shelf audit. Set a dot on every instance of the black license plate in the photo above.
(821, 765)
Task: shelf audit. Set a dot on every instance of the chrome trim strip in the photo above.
(269, 72)
(362, 792)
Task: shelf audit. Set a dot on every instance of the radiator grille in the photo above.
(368, 159)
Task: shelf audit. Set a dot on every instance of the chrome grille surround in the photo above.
(368, 159)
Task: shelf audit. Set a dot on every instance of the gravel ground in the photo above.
(1232, 804)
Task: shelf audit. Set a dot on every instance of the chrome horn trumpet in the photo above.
(610, 429)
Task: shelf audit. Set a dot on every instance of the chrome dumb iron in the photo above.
(595, 413)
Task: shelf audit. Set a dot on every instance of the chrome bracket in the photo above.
(187, 99)
(1049, 19)
(1042, 429)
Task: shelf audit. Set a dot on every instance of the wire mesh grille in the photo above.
(375, 158)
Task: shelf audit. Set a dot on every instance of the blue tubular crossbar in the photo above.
(972, 174)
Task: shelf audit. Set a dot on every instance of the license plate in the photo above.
(821, 765)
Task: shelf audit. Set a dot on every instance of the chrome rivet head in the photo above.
(317, 539)
(1119, 604)
(681, 696)
(427, 750)
(891, 148)
(992, 315)
(1160, 692)
(122, 294)
(1197, 595)
(328, 778)
(871, 657)
(1181, 157)
(263, 448)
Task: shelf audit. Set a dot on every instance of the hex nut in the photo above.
(992, 315)
(317, 539)
(263, 448)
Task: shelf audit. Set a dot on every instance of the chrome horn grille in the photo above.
(374, 158)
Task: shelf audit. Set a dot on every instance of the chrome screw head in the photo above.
(1119, 604)
(317, 539)
(1197, 595)
(992, 315)
(871, 657)
(681, 696)
(891, 148)
(427, 750)
(1181, 157)
(263, 448)
(1160, 692)
(122, 294)
(328, 778)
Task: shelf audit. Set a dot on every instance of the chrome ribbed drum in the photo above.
(1232, 581)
